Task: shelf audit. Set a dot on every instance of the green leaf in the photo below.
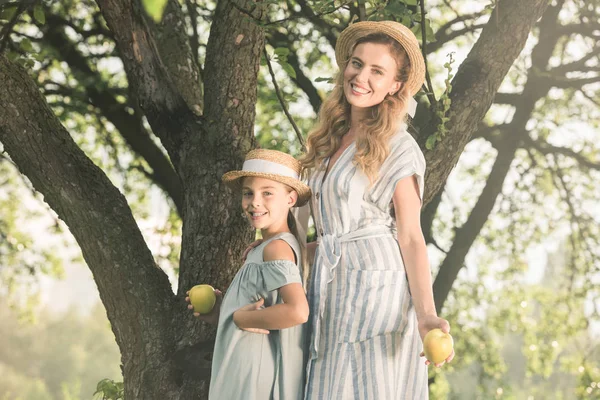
(38, 14)
(7, 13)
(430, 143)
(155, 8)
(26, 45)
(289, 69)
(282, 51)
(322, 79)
(416, 29)
(395, 8)
(411, 2)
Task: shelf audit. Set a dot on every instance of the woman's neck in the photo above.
(357, 115)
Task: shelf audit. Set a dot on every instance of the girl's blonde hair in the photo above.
(372, 146)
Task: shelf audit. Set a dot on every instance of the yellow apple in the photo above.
(202, 298)
(437, 345)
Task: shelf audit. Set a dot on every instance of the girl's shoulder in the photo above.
(283, 246)
(278, 249)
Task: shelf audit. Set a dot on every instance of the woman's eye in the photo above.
(356, 64)
(268, 193)
(246, 194)
(378, 72)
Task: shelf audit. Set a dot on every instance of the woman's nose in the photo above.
(362, 76)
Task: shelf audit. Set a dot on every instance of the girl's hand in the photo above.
(428, 323)
(249, 248)
(239, 315)
(213, 316)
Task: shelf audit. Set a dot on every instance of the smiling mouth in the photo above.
(359, 90)
(255, 215)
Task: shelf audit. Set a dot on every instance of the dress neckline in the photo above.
(326, 164)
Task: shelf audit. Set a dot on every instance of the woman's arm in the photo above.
(407, 206)
(294, 309)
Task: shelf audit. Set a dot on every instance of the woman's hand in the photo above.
(249, 248)
(429, 322)
(238, 317)
(213, 316)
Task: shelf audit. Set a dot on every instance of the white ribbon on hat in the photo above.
(412, 107)
(268, 167)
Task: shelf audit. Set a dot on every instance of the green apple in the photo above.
(437, 345)
(203, 298)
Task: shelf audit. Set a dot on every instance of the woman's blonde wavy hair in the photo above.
(372, 144)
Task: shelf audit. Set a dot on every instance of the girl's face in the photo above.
(370, 75)
(266, 203)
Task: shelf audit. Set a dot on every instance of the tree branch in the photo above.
(278, 39)
(430, 93)
(578, 64)
(506, 98)
(476, 82)
(282, 102)
(547, 149)
(129, 126)
(130, 284)
(465, 235)
(6, 29)
(326, 29)
(163, 100)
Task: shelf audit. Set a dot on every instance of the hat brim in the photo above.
(403, 36)
(233, 180)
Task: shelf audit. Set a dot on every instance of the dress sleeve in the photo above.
(279, 273)
(405, 159)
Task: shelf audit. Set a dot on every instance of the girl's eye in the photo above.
(246, 194)
(378, 72)
(268, 193)
(356, 64)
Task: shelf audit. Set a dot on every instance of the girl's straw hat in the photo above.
(274, 165)
(396, 31)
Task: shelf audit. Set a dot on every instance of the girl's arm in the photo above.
(407, 206)
(294, 309)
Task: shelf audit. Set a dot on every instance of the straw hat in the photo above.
(274, 165)
(396, 31)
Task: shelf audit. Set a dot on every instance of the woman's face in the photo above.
(370, 75)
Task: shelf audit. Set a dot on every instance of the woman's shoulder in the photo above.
(403, 144)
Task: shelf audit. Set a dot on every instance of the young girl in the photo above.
(259, 348)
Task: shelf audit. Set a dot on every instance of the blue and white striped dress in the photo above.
(365, 342)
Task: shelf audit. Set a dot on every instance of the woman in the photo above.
(370, 291)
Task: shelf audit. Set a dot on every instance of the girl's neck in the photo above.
(268, 233)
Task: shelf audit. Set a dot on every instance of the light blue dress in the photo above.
(253, 366)
(364, 341)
